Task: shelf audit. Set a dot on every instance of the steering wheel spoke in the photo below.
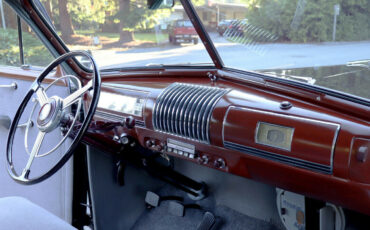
(71, 99)
(35, 150)
(41, 96)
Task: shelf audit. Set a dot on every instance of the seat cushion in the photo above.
(19, 213)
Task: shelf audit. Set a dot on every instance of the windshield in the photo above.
(325, 43)
(124, 33)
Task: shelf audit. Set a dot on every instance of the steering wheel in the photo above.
(52, 113)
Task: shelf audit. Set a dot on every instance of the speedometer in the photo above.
(121, 103)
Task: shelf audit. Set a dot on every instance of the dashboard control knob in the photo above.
(203, 159)
(116, 138)
(285, 105)
(362, 153)
(159, 148)
(219, 163)
(124, 139)
(129, 122)
(149, 143)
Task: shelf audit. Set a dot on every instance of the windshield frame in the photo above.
(212, 51)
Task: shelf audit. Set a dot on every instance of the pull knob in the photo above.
(129, 122)
(219, 163)
(124, 139)
(362, 153)
(203, 159)
(149, 143)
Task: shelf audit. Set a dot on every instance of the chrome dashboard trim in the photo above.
(296, 162)
(117, 118)
(185, 110)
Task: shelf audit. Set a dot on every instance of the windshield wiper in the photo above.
(178, 64)
(361, 63)
(308, 80)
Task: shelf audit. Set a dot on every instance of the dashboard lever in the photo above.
(5, 121)
(11, 86)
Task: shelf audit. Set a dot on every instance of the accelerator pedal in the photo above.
(208, 221)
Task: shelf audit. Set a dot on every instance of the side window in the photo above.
(34, 51)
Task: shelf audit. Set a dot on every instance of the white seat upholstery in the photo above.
(18, 213)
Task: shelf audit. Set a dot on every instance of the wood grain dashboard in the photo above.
(288, 141)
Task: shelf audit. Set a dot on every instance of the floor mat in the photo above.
(160, 218)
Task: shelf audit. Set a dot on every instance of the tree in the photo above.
(134, 15)
(65, 21)
(311, 21)
(125, 35)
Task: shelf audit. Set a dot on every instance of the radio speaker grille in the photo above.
(185, 110)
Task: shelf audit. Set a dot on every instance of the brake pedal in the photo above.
(176, 208)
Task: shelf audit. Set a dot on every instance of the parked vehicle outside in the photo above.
(223, 25)
(182, 31)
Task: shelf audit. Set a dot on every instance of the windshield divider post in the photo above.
(199, 27)
(20, 40)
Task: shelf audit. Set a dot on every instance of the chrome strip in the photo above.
(155, 117)
(192, 111)
(172, 107)
(179, 109)
(197, 109)
(185, 109)
(114, 117)
(203, 113)
(167, 102)
(280, 158)
(213, 105)
(183, 112)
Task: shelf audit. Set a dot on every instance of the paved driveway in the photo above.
(244, 56)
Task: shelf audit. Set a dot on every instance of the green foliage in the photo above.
(311, 20)
(35, 53)
(139, 17)
(9, 51)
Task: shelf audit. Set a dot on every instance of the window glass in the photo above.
(35, 53)
(320, 42)
(125, 33)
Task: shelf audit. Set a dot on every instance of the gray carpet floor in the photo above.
(160, 218)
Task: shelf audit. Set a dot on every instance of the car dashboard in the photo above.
(288, 142)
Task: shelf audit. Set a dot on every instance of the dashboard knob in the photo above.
(130, 122)
(149, 143)
(219, 163)
(203, 159)
(124, 139)
(116, 138)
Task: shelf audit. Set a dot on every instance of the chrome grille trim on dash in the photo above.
(321, 168)
(185, 110)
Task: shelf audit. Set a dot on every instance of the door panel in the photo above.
(54, 194)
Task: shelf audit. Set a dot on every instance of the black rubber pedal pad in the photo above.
(207, 221)
(176, 208)
(152, 199)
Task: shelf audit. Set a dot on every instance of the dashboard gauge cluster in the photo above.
(121, 103)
